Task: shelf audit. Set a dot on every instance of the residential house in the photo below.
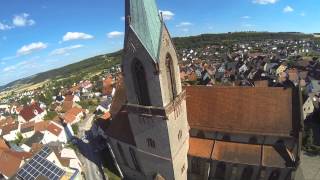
(70, 102)
(11, 161)
(54, 133)
(104, 106)
(34, 139)
(49, 162)
(71, 159)
(86, 86)
(75, 89)
(27, 129)
(73, 115)
(107, 87)
(41, 126)
(4, 109)
(31, 112)
(9, 129)
(73, 98)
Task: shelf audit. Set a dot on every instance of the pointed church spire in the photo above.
(144, 19)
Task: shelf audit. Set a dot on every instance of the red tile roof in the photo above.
(70, 115)
(200, 147)
(237, 153)
(28, 112)
(27, 127)
(107, 86)
(69, 98)
(36, 148)
(255, 110)
(8, 125)
(54, 129)
(3, 145)
(41, 126)
(9, 163)
(67, 105)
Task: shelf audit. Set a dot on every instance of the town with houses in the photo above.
(69, 131)
(27, 127)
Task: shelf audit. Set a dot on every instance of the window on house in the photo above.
(125, 162)
(134, 159)
(171, 77)
(151, 143)
(220, 171)
(274, 175)
(140, 83)
(247, 173)
(195, 165)
(180, 134)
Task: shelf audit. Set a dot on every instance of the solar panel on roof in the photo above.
(39, 166)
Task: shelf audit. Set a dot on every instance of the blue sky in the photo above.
(38, 35)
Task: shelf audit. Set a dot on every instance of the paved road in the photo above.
(89, 158)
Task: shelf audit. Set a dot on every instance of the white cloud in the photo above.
(115, 34)
(22, 20)
(8, 58)
(246, 17)
(167, 15)
(22, 66)
(302, 14)
(185, 30)
(65, 50)
(265, 2)
(248, 25)
(9, 68)
(123, 18)
(5, 27)
(184, 24)
(288, 9)
(69, 36)
(30, 48)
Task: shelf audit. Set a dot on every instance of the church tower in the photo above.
(156, 103)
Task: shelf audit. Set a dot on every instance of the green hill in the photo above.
(101, 62)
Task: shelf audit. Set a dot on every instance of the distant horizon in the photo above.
(40, 36)
(84, 58)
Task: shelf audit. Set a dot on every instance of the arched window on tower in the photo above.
(140, 83)
(171, 77)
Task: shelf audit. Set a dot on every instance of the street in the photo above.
(91, 162)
